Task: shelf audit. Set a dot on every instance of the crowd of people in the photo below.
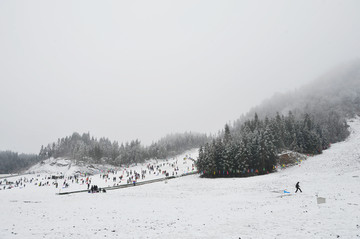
(106, 178)
(96, 189)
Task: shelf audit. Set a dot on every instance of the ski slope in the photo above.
(193, 207)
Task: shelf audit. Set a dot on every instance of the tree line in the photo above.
(12, 162)
(253, 148)
(92, 150)
(89, 149)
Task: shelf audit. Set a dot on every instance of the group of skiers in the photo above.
(96, 189)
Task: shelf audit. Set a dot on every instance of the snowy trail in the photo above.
(193, 207)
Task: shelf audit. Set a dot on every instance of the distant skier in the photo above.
(297, 187)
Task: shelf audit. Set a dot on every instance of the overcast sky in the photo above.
(143, 69)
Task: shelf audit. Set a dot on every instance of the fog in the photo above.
(143, 69)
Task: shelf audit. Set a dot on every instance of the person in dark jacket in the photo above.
(297, 187)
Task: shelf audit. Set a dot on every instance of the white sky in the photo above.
(142, 69)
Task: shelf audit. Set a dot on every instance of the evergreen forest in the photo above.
(12, 162)
(253, 148)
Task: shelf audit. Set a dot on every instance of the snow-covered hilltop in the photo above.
(194, 207)
(66, 167)
(70, 167)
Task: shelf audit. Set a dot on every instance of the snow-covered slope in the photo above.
(58, 174)
(193, 207)
(64, 166)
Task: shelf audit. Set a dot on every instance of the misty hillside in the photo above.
(337, 91)
(307, 121)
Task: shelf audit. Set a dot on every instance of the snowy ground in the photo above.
(40, 175)
(193, 207)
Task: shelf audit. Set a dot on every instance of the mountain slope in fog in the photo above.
(338, 90)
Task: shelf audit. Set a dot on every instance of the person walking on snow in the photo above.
(297, 187)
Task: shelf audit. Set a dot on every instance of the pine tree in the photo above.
(227, 135)
(219, 155)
